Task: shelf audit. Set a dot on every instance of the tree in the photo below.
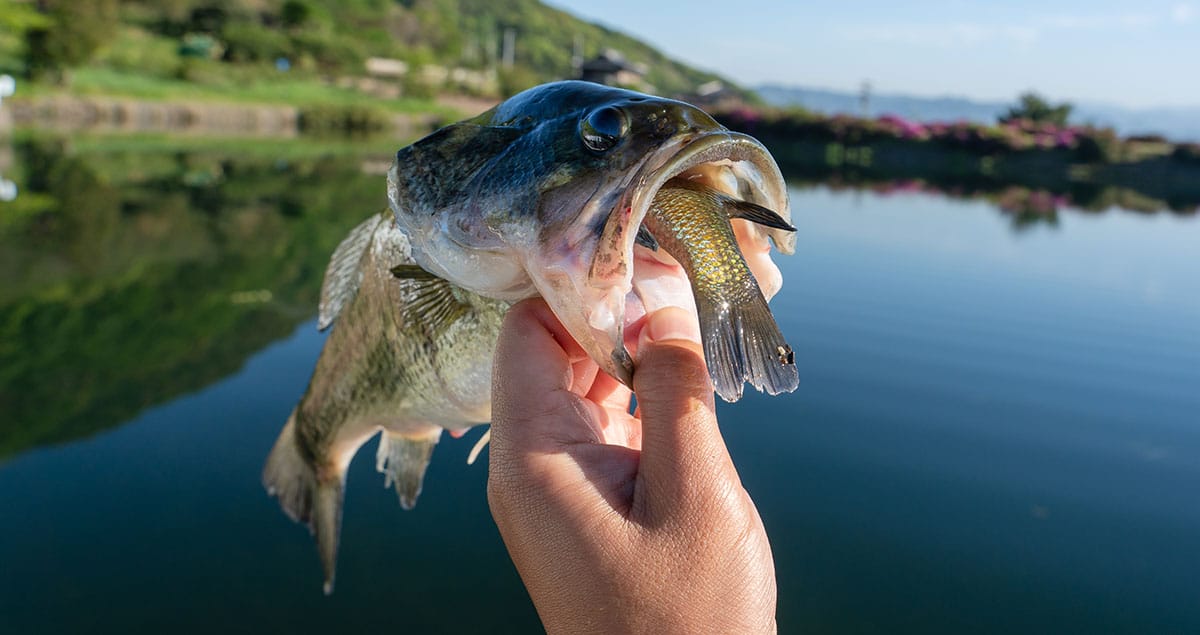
(73, 33)
(1034, 107)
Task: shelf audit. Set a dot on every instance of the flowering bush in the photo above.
(1083, 144)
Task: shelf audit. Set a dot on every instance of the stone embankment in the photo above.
(124, 115)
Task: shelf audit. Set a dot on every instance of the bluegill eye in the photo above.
(603, 128)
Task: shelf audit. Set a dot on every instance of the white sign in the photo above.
(8, 190)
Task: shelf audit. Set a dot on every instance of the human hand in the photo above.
(620, 523)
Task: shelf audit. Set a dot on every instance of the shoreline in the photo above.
(129, 115)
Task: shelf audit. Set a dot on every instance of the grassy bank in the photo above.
(227, 85)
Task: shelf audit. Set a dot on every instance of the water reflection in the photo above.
(128, 277)
(1025, 206)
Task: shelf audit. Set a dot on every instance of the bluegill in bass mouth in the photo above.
(742, 342)
(547, 194)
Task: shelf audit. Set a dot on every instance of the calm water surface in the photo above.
(997, 427)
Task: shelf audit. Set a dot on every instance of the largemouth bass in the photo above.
(409, 356)
(546, 194)
(608, 203)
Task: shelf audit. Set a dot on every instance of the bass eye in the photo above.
(603, 128)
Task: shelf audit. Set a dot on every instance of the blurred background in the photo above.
(994, 303)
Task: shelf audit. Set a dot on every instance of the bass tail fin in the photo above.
(305, 497)
(403, 460)
(742, 343)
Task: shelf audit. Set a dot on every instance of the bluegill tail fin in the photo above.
(306, 497)
(403, 459)
(742, 343)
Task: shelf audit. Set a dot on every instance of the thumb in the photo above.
(533, 407)
(683, 454)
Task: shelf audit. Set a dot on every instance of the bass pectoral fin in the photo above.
(756, 214)
(427, 299)
(403, 461)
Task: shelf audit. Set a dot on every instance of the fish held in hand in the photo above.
(742, 342)
(546, 195)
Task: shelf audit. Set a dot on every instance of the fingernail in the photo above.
(671, 323)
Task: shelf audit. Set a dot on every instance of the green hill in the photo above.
(228, 42)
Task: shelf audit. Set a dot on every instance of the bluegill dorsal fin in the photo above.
(427, 299)
(403, 459)
(756, 214)
(646, 239)
(344, 273)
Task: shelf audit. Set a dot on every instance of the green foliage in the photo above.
(249, 42)
(126, 290)
(343, 119)
(295, 13)
(1187, 153)
(1034, 107)
(17, 18)
(74, 32)
(136, 51)
(1098, 145)
(334, 37)
(517, 79)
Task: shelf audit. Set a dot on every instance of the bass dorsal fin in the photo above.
(344, 273)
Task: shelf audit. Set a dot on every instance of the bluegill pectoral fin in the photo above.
(427, 299)
(646, 239)
(403, 461)
(756, 214)
(343, 275)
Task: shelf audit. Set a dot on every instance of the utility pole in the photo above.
(510, 46)
(577, 56)
(864, 98)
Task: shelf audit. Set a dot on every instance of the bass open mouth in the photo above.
(732, 163)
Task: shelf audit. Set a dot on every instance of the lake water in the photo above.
(997, 427)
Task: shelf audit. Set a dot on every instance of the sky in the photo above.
(1133, 54)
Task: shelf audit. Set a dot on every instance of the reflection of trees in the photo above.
(124, 279)
(1026, 205)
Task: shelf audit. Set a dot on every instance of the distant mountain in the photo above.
(1179, 124)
